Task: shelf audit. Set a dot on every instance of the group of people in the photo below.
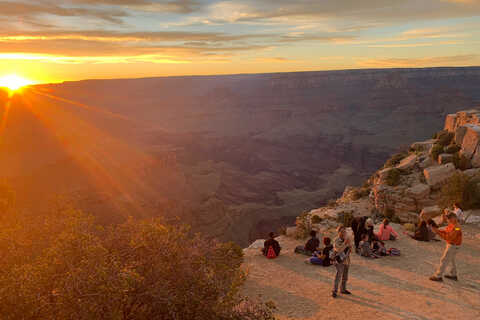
(371, 244)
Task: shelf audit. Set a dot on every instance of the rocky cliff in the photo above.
(232, 155)
(419, 182)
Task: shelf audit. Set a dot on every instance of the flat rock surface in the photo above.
(385, 288)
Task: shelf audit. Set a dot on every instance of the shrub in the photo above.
(395, 159)
(461, 189)
(453, 148)
(461, 162)
(437, 149)
(444, 137)
(316, 219)
(304, 226)
(63, 266)
(332, 203)
(359, 193)
(393, 177)
(345, 218)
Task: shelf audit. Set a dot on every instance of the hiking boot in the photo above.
(345, 292)
(438, 279)
(334, 294)
(451, 277)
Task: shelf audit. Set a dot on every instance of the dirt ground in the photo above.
(385, 288)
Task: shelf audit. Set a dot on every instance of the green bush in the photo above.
(359, 193)
(345, 218)
(395, 159)
(316, 219)
(444, 137)
(393, 177)
(461, 162)
(460, 189)
(62, 265)
(332, 203)
(304, 226)
(437, 149)
(453, 148)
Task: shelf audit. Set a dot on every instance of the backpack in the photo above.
(393, 252)
(271, 253)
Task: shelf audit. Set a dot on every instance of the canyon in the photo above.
(234, 156)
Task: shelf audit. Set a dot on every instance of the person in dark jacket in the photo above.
(271, 242)
(323, 258)
(311, 246)
(421, 232)
(358, 228)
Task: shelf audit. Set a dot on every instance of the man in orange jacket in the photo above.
(452, 234)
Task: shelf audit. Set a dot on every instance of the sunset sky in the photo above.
(52, 40)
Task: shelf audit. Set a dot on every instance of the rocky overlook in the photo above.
(232, 155)
(422, 181)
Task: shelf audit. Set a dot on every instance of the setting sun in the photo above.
(14, 82)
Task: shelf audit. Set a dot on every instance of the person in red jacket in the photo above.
(452, 234)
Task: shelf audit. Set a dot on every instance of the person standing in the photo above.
(452, 234)
(342, 248)
(458, 211)
(358, 228)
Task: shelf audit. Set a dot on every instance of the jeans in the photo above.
(448, 258)
(342, 272)
(315, 260)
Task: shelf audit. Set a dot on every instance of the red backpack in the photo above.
(271, 253)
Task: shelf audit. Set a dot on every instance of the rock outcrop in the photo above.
(410, 187)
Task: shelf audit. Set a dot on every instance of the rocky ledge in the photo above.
(412, 183)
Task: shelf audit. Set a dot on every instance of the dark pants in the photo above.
(342, 273)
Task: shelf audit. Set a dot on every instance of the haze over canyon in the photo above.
(234, 156)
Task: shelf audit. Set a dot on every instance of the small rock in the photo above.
(430, 212)
(445, 158)
(419, 191)
(408, 162)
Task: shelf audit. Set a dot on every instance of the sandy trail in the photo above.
(385, 288)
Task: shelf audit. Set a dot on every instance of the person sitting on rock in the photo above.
(322, 258)
(272, 244)
(311, 246)
(365, 248)
(386, 232)
(459, 213)
(369, 230)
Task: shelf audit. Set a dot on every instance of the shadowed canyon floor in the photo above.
(385, 288)
(227, 154)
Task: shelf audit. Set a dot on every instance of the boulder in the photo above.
(459, 134)
(408, 162)
(430, 212)
(382, 174)
(470, 141)
(407, 217)
(435, 176)
(257, 244)
(450, 122)
(445, 158)
(427, 162)
(472, 172)
(419, 191)
(423, 145)
(290, 232)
